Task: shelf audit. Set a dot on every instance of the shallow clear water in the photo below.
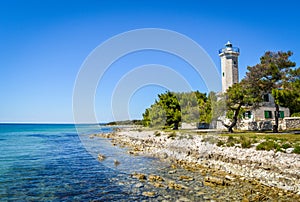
(48, 162)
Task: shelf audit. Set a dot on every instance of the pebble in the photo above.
(289, 150)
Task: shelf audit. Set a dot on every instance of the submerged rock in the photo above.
(172, 171)
(139, 176)
(101, 157)
(173, 185)
(214, 180)
(154, 178)
(148, 193)
(139, 185)
(116, 162)
(157, 184)
(186, 178)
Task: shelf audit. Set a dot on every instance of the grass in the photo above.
(267, 141)
(245, 139)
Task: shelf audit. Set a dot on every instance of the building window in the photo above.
(247, 114)
(223, 74)
(281, 114)
(268, 114)
(266, 98)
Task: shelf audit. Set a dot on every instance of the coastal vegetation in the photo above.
(288, 143)
(172, 108)
(276, 74)
(126, 122)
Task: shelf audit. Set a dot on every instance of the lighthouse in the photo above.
(229, 65)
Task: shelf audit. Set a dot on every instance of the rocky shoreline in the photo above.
(275, 174)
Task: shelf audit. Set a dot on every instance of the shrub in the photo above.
(230, 139)
(220, 143)
(296, 114)
(268, 145)
(230, 144)
(172, 135)
(246, 143)
(157, 133)
(190, 136)
(210, 139)
(297, 149)
(286, 145)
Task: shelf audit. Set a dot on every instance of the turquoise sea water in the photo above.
(51, 162)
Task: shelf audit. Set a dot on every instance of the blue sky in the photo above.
(44, 44)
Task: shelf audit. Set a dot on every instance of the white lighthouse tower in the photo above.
(229, 65)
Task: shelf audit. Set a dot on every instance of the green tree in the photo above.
(217, 105)
(188, 106)
(165, 112)
(157, 115)
(273, 73)
(289, 95)
(146, 118)
(237, 97)
(169, 102)
(172, 108)
(204, 105)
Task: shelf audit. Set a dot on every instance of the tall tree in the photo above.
(165, 112)
(172, 108)
(289, 95)
(236, 98)
(269, 76)
(189, 106)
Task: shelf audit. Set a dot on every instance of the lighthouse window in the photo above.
(234, 62)
(223, 74)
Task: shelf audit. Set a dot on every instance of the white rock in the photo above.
(289, 150)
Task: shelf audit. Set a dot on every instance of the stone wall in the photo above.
(292, 122)
(284, 124)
